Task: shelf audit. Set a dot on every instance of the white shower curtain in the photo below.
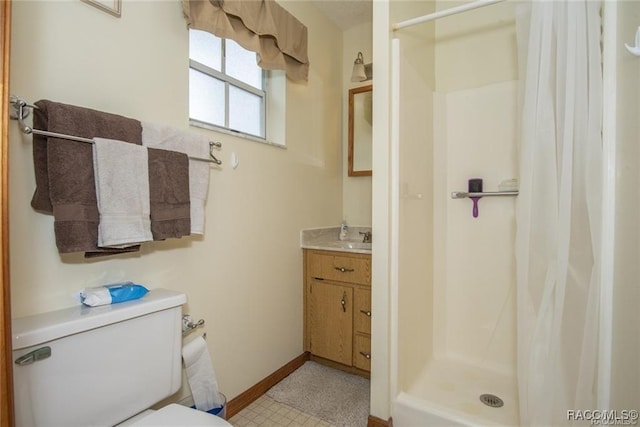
(559, 209)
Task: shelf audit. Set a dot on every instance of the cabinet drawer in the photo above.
(362, 352)
(340, 268)
(362, 310)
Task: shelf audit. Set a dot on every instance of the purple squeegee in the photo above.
(475, 186)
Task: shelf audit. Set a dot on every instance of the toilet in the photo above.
(103, 366)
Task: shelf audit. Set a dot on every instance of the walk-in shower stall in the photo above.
(456, 97)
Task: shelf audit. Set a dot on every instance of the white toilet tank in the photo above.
(97, 366)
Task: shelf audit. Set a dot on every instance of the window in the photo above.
(226, 87)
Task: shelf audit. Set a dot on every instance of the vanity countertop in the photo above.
(326, 239)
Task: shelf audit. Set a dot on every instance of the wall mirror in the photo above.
(360, 130)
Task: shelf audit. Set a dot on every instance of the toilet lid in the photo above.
(175, 415)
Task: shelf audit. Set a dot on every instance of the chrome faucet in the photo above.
(366, 237)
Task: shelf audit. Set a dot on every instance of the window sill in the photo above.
(241, 135)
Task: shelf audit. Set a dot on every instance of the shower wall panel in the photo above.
(475, 273)
(415, 204)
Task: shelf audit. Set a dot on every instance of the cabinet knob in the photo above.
(366, 312)
(344, 269)
(344, 302)
(366, 355)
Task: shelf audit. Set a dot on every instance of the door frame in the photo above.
(6, 379)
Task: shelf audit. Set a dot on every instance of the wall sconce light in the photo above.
(361, 72)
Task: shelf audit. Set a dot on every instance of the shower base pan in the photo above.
(448, 393)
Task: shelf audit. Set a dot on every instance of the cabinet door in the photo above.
(331, 321)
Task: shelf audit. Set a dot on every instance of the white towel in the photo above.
(193, 145)
(121, 173)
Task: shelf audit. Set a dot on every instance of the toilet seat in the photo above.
(175, 415)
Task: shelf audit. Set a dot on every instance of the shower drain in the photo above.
(491, 400)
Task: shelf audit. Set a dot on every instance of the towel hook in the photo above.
(635, 49)
(213, 144)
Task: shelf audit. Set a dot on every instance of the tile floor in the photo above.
(266, 412)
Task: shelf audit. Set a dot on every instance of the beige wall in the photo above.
(244, 277)
(381, 327)
(356, 190)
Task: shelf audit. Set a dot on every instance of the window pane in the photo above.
(245, 112)
(206, 98)
(241, 64)
(205, 48)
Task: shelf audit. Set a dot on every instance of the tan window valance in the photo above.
(261, 26)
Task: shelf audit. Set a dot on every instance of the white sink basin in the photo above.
(351, 245)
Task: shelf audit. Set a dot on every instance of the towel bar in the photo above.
(20, 114)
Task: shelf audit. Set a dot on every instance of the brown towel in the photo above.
(169, 194)
(65, 183)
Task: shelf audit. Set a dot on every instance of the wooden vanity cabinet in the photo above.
(337, 307)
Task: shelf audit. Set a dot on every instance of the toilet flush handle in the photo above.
(34, 356)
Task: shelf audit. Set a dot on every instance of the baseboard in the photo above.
(247, 397)
(378, 422)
